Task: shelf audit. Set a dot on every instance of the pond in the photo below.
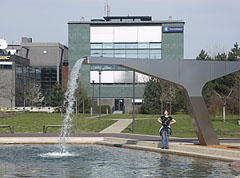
(103, 161)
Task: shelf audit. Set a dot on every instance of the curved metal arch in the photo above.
(191, 75)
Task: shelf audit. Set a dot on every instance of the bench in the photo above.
(10, 127)
(45, 127)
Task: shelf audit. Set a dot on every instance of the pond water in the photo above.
(102, 161)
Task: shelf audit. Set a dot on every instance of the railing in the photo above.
(10, 127)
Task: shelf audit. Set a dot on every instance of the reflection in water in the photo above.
(101, 161)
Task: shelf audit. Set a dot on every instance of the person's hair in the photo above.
(166, 110)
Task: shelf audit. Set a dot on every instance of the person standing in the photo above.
(165, 129)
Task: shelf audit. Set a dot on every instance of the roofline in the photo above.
(155, 22)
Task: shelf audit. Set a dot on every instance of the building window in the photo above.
(5, 66)
(96, 46)
(108, 46)
(96, 53)
(108, 53)
(155, 45)
(146, 50)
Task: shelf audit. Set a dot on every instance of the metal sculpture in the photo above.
(190, 75)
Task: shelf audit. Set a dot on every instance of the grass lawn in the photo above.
(184, 128)
(33, 122)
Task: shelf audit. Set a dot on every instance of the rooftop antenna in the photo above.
(107, 10)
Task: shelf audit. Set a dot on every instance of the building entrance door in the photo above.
(119, 104)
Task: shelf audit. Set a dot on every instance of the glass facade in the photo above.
(48, 77)
(147, 50)
(136, 50)
(25, 76)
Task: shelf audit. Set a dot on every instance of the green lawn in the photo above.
(145, 124)
(33, 122)
(184, 128)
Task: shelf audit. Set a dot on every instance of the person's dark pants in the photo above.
(164, 139)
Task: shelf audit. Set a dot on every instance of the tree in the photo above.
(33, 94)
(218, 92)
(8, 87)
(203, 56)
(152, 97)
(82, 100)
(168, 95)
(56, 99)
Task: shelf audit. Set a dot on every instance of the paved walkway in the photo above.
(118, 126)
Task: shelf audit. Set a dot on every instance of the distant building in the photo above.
(124, 37)
(49, 59)
(15, 77)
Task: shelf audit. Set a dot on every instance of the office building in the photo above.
(16, 75)
(49, 59)
(124, 37)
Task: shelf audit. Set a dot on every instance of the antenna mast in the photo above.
(107, 10)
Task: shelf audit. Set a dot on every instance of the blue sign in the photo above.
(172, 29)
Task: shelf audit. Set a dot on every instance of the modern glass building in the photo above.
(48, 59)
(137, 37)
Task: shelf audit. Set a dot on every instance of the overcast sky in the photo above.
(213, 25)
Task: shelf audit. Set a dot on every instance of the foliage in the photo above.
(56, 99)
(160, 95)
(219, 92)
(152, 97)
(83, 101)
(203, 56)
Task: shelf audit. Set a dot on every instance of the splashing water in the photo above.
(57, 155)
(69, 100)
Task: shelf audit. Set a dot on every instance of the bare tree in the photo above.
(223, 100)
(8, 88)
(168, 95)
(33, 95)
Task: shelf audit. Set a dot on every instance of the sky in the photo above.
(212, 25)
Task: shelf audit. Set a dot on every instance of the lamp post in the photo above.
(133, 122)
(100, 72)
(93, 82)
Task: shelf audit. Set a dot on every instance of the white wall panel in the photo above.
(101, 34)
(126, 34)
(118, 77)
(149, 34)
(106, 77)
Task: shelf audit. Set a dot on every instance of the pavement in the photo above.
(118, 126)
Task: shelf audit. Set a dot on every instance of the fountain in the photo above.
(69, 101)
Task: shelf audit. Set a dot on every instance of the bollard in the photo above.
(91, 111)
(12, 129)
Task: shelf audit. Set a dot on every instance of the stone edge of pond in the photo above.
(183, 149)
